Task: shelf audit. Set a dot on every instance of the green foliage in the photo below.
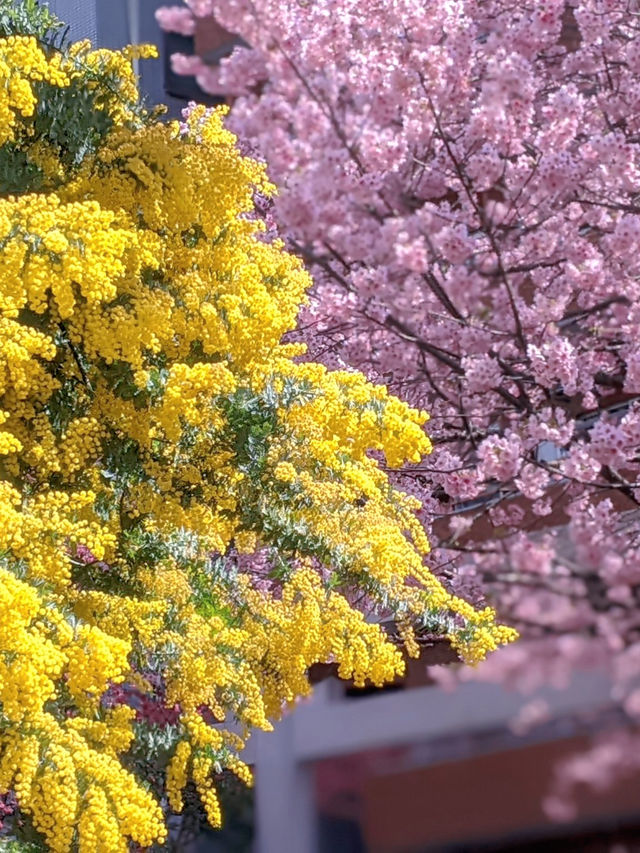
(30, 841)
(29, 17)
(17, 172)
(71, 119)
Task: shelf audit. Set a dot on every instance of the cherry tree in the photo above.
(463, 179)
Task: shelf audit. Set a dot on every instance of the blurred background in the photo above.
(416, 767)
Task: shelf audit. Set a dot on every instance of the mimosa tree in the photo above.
(191, 514)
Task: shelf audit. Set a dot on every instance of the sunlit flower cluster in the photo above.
(154, 427)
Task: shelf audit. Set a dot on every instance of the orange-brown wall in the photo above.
(488, 797)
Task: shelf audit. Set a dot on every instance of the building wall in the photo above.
(486, 802)
(80, 15)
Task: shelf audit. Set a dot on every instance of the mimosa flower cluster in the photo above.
(154, 426)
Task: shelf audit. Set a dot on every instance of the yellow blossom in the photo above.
(185, 505)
